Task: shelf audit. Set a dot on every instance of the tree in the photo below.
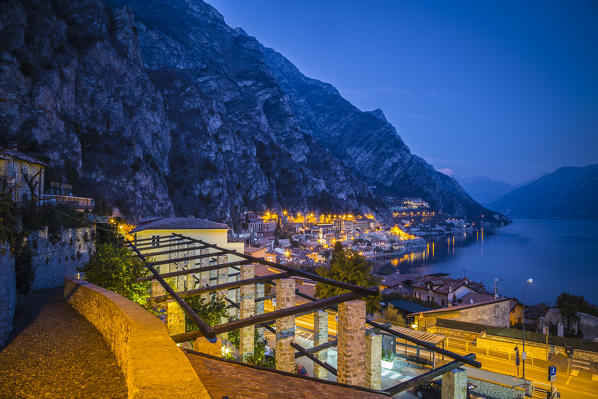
(117, 269)
(569, 305)
(392, 314)
(350, 267)
(211, 311)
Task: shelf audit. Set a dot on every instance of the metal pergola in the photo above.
(145, 248)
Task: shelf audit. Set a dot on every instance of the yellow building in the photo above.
(22, 175)
(159, 230)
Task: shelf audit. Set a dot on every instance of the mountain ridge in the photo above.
(568, 192)
(160, 108)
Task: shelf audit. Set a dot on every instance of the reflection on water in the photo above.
(559, 254)
(436, 250)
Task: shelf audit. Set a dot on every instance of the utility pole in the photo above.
(523, 354)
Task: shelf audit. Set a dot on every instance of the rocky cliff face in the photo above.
(366, 142)
(162, 108)
(74, 92)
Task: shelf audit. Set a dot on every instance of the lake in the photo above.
(560, 255)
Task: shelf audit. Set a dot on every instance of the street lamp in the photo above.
(523, 354)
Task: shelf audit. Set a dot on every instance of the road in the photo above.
(569, 386)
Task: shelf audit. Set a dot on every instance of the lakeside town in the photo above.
(438, 308)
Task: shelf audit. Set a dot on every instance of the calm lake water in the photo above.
(560, 255)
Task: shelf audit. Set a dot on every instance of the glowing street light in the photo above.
(523, 354)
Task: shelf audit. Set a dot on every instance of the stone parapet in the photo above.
(154, 367)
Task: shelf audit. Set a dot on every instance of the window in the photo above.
(155, 241)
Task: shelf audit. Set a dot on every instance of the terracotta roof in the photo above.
(14, 154)
(176, 223)
(477, 297)
(225, 378)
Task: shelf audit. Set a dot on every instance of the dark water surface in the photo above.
(560, 255)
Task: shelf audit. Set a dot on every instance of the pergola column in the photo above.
(351, 343)
(373, 361)
(247, 309)
(454, 384)
(285, 327)
(321, 337)
(204, 277)
(259, 306)
(222, 278)
(175, 318)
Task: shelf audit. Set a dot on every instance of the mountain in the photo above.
(160, 108)
(568, 192)
(485, 190)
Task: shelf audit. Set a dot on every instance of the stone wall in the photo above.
(8, 293)
(52, 260)
(495, 314)
(586, 322)
(154, 367)
(495, 390)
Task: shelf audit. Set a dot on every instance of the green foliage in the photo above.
(392, 314)
(350, 267)
(259, 357)
(55, 217)
(24, 268)
(211, 311)
(117, 269)
(9, 222)
(569, 305)
(387, 355)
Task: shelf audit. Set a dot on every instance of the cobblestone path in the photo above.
(56, 353)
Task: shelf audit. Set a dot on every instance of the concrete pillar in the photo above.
(204, 277)
(190, 265)
(203, 345)
(373, 361)
(321, 337)
(175, 317)
(285, 327)
(259, 306)
(454, 384)
(247, 308)
(351, 343)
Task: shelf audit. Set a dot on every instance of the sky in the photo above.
(502, 89)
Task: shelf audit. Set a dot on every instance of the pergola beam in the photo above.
(205, 329)
(304, 352)
(145, 241)
(270, 316)
(416, 341)
(316, 349)
(168, 244)
(297, 272)
(219, 287)
(196, 270)
(430, 375)
(171, 251)
(187, 258)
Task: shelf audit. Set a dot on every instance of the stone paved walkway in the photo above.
(56, 353)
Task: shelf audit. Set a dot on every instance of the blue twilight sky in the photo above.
(504, 89)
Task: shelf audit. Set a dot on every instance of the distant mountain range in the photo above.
(568, 192)
(485, 190)
(159, 108)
